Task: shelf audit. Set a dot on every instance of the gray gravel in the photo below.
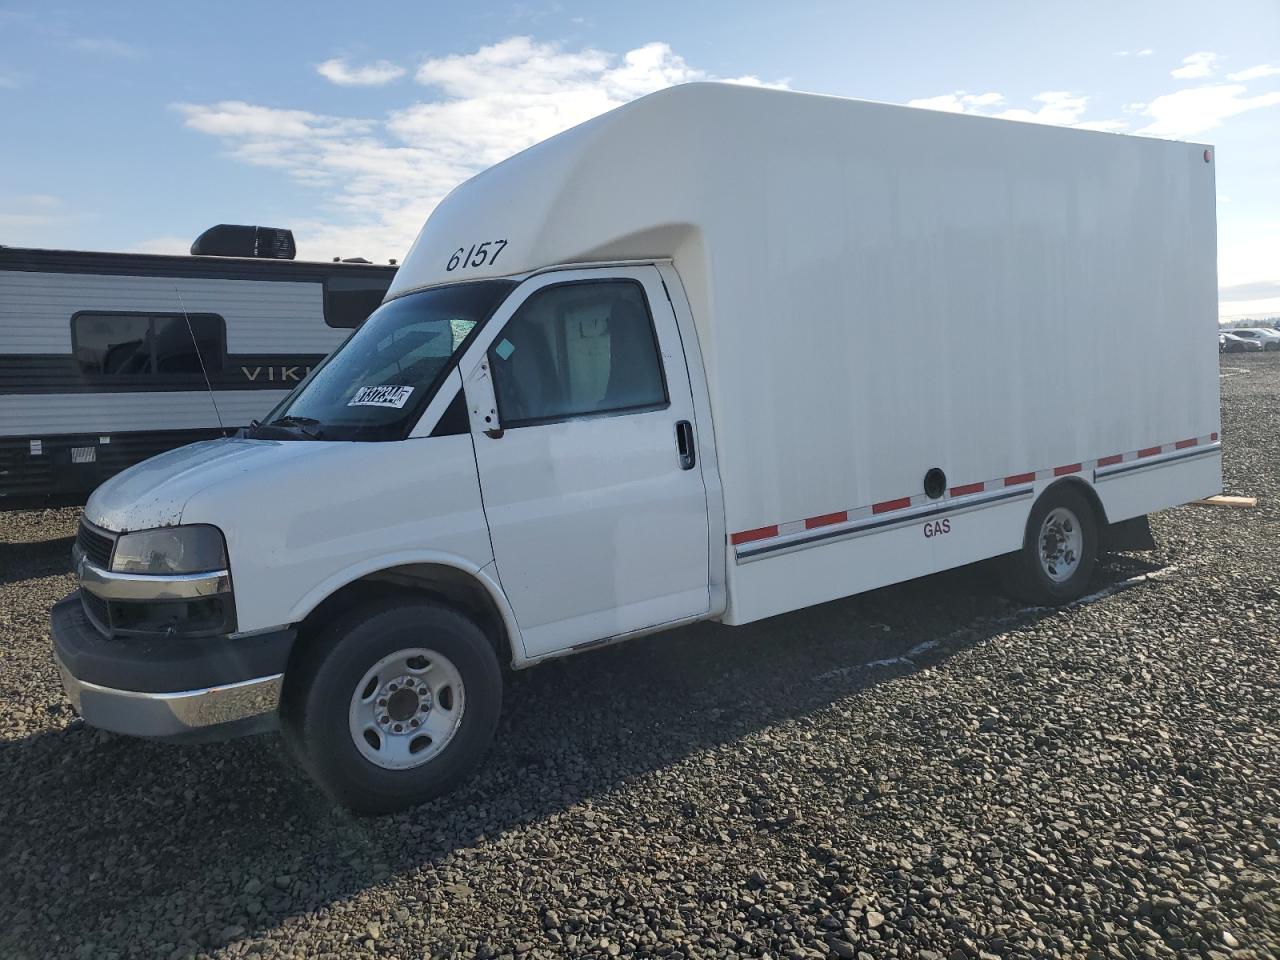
(926, 771)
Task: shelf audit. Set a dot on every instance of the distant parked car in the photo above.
(1230, 343)
(1269, 339)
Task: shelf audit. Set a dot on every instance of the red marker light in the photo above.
(1208, 155)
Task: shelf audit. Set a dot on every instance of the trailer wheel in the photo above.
(395, 703)
(1059, 552)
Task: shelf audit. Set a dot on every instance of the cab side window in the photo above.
(577, 349)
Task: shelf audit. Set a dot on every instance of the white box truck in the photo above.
(719, 354)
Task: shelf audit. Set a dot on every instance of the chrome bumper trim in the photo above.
(137, 586)
(171, 714)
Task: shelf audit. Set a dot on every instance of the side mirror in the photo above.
(482, 403)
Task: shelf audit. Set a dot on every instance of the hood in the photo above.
(153, 493)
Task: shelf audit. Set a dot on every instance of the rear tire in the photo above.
(1059, 553)
(393, 704)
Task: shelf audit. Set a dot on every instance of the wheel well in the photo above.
(446, 585)
(1086, 490)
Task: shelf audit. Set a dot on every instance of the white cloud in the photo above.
(958, 102)
(1257, 290)
(1058, 107)
(1255, 73)
(1144, 52)
(381, 178)
(106, 46)
(169, 245)
(1196, 66)
(40, 201)
(1106, 126)
(1248, 251)
(374, 74)
(1185, 113)
(8, 82)
(18, 221)
(33, 210)
(237, 119)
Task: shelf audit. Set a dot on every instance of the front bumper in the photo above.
(180, 688)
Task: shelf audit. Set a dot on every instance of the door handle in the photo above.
(684, 445)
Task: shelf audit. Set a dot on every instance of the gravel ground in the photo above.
(925, 771)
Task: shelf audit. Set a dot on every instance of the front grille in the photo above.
(97, 610)
(95, 545)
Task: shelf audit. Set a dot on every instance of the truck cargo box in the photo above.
(879, 291)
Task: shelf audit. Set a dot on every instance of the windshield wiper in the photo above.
(301, 423)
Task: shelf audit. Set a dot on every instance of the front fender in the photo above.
(486, 576)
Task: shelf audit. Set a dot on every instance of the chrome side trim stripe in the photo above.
(879, 522)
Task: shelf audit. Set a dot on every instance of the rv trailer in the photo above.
(98, 362)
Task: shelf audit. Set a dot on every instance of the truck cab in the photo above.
(487, 474)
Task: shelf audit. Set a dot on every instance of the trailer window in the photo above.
(348, 301)
(146, 344)
(577, 349)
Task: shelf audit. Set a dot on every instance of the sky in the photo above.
(136, 125)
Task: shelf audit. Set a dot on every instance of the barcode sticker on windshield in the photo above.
(380, 397)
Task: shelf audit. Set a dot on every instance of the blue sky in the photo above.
(133, 126)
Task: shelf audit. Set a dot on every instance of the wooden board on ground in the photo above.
(1224, 501)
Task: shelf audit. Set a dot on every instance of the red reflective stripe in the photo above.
(1213, 436)
(899, 504)
(826, 519)
(1013, 480)
(759, 533)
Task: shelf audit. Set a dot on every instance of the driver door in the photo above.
(596, 507)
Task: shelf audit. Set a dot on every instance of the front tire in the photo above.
(393, 704)
(1059, 553)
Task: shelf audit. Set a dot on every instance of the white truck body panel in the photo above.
(880, 290)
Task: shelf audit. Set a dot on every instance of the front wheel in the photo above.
(393, 704)
(1060, 551)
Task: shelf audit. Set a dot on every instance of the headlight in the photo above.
(170, 550)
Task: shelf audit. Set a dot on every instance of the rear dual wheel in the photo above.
(1059, 553)
(393, 704)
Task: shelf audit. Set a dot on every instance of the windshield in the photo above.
(377, 384)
